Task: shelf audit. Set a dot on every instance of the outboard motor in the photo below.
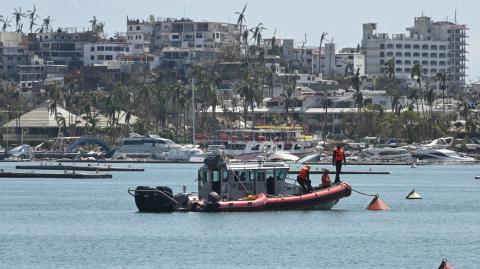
(159, 199)
(211, 203)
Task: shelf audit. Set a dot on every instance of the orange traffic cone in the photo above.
(377, 204)
(445, 265)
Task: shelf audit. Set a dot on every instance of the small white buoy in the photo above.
(413, 195)
(413, 166)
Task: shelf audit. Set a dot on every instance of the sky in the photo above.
(342, 20)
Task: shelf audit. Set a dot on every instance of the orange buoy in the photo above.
(377, 204)
(445, 265)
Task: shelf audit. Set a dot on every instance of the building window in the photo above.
(408, 70)
(382, 46)
(433, 47)
(407, 54)
(407, 46)
(398, 62)
(441, 63)
(425, 55)
(92, 58)
(101, 57)
(434, 63)
(100, 48)
(416, 54)
(425, 47)
(443, 47)
(442, 55)
(398, 46)
(382, 54)
(416, 62)
(398, 54)
(108, 57)
(92, 48)
(408, 62)
(199, 35)
(108, 48)
(424, 62)
(138, 28)
(389, 54)
(398, 70)
(433, 55)
(416, 47)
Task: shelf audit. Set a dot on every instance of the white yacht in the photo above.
(441, 155)
(386, 154)
(249, 143)
(187, 153)
(145, 146)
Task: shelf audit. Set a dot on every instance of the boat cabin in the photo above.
(240, 179)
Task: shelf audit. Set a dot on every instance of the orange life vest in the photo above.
(339, 154)
(303, 173)
(326, 181)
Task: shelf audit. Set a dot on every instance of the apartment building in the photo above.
(13, 52)
(155, 34)
(436, 46)
(98, 53)
(63, 47)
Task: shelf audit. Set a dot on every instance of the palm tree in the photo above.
(322, 38)
(46, 24)
(241, 20)
(32, 16)
(257, 33)
(390, 68)
(5, 23)
(93, 22)
(443, 77)
(416, 75)
(18, 15)
(356, 86)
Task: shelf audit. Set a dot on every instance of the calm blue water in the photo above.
(65, 223)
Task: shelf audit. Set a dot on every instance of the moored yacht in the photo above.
(441, 155)
(249, 143)
(145, 146)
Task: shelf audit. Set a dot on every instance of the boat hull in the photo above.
(323, 199)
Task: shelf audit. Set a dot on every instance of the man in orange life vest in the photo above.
(303, 178)
(337, 159)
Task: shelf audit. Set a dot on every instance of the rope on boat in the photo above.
(362, 193)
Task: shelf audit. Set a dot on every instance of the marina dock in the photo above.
(51, 175)
(79, 168)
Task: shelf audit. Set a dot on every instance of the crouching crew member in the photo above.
(337, 159)
(303, 178)
(326, 179)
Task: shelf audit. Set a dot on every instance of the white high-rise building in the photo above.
(436, 46)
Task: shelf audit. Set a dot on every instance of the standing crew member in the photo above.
(337, 159)
(325, 179)
(303, 178)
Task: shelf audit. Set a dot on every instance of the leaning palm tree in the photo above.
(32, 16)
(18, 15)
(5, 23)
